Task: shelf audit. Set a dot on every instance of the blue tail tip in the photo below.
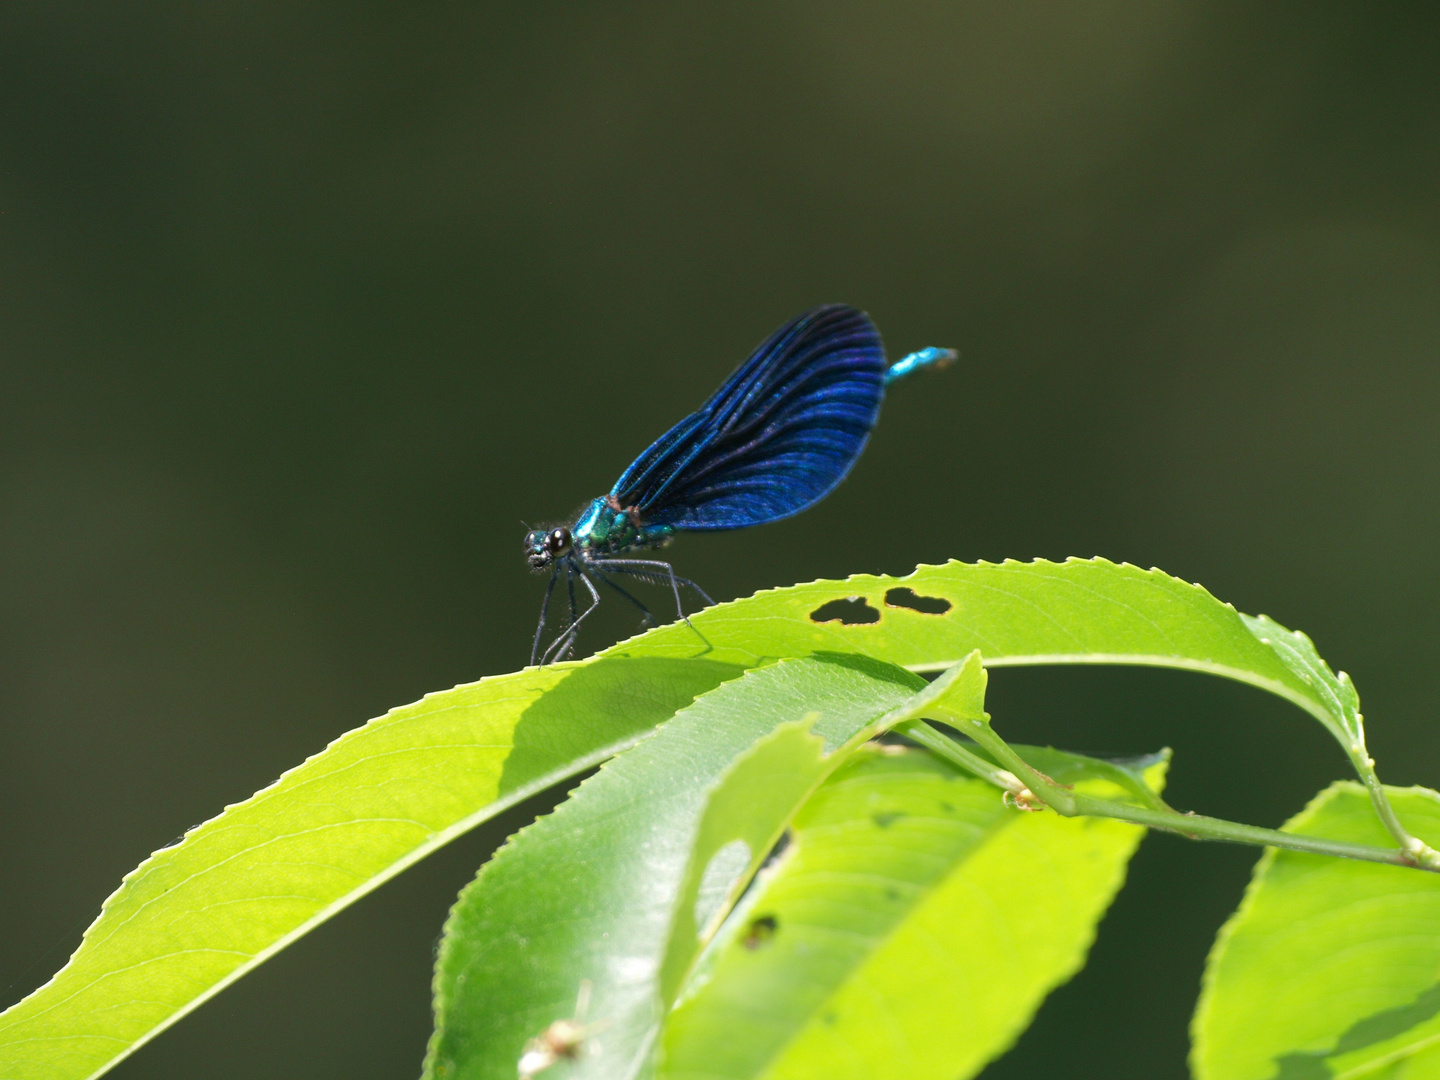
(922, 358)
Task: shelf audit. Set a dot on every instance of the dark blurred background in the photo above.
(304, 307)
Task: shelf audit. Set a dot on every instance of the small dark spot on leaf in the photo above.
(892, 893)
(947, 808)
(827, 1018)
(761, 929)
(908, 598)
(852, 611)
(781, 846)
(886, 818)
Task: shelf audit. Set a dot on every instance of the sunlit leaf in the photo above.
(1336, 693)
(1081, 611)
(588, 896)
(911, 929)
(198, 915)
(1330, 968)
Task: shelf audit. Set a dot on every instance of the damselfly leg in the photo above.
(656, 573)
(544, 607)
(647, 617)
(564, 643)
(651, 571)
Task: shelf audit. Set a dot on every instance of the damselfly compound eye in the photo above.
(558, 542)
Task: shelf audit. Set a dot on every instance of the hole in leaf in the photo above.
(761, 929)
(773, 856)
(724, 867)
(852, 611)
(908, 598)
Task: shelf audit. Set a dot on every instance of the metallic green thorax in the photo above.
(606, 531)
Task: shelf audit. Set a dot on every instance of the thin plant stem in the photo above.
(1027, 785)
(1420, 853)
(921, 732)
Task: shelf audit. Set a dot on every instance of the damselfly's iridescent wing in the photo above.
(778, 436)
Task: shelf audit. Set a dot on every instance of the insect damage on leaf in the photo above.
(761, 929)
(909, 598)
(850, 610)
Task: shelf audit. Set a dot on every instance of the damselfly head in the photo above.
(544, 547)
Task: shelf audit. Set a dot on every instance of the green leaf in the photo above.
(911, 929)
(196, 916)
(1081, 611)
(1335, 692)
(744, 815)
(597, 893)
(1330, 968)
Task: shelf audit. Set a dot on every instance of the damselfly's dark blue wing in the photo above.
(778, 436)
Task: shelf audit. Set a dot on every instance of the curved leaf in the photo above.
(1334, 692)
(1081, 611)
(194, 917)
(1330, 968)
(589, 895)
(911, 930)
